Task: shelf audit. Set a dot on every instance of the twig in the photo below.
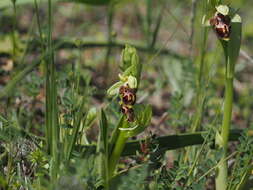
(70, 44)
(245, 55)
(193, 16)
(165, 143)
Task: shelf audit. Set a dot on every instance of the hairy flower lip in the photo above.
(221, 25)
(129, 112)
(128, 95)
(128, 99)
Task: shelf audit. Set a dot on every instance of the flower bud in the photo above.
(132, 82)
(126, 56)
(223, 9)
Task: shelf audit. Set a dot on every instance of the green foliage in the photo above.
(7, 3)
(179, 117)
(131, 68)
(102, 151)
(59, 139)
(243, 162)
(140, 115)
(134, 178)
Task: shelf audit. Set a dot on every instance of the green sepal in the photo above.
(114, 89)
(102, 151)
(223, 9)
(143, 115)
(132, 82)
(232, 46)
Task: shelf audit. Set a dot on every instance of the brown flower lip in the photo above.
(128, 99)
(129, 112)
(128, 95)
(222, 25)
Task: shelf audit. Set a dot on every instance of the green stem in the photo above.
(200, 96)
(227, 111)
(38, 19)
(222, 175)
(52, 128)
(148, 22)
(9, 165)
(110, 40)
(200, 79)
(61, 43)
(115, 156)
(14, 40)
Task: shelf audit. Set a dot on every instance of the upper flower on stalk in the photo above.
(131, 72)
(128, 82)
(221, 19)
(128, 95)
(136, 117)
(221, 24)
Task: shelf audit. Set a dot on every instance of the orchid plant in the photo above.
(134, 117)
(226, 23)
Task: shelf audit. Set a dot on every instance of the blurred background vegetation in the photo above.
(168, 36)
(170, 41)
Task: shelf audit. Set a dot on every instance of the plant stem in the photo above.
(193, 18)
(148, 21)
(222, 175)
(52, 128)
(14, 40)
(200, 97)
(38, 20)
(200, 76)
(221, 179)
(110, 17)
(157, 28)
(227, 111)
(114, 158)
(87, 44)
(9, 165)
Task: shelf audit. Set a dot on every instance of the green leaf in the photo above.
(91, 116)
(130, 179)
(121, 124)
(77, 123)
(102, 150)
(233, 45)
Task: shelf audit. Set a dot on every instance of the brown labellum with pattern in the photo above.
(222, 25)
(128, 99)
(128, 95)
(129, 112)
